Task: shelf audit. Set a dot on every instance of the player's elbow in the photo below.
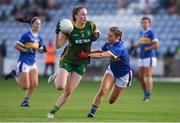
(156, 44)
(16, 46)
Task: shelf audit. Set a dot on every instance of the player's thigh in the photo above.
(140, 72)
(33, 75)
(61, 78)
(116, 91)
(107, 81)
(120, 84)
(23, 74)
(24, 80)
(73, 82)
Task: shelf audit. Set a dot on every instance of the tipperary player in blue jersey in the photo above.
(147, 58)
(26, 73)
(118, 72)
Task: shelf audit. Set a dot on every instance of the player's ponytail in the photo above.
(29, 21)
(116, 31)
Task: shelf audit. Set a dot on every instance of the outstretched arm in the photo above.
(96, 51)
(98, 55)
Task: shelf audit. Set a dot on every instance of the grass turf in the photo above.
(164, 105)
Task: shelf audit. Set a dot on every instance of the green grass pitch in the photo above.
(164, 105)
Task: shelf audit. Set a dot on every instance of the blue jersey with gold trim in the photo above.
(29, 40)
(146, 39)
(120, 62)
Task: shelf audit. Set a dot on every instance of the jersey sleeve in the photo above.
(93, 25)
(104, 48)
(23, 39)
(152, 36)
(115, 52)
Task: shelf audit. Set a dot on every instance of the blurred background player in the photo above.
(72, 67)
(26, 73)
(147, 58)
(118, 72)
(50, 58)
(3, 54)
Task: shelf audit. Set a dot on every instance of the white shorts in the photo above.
(122, 82)
(23, 67)
(147, 62)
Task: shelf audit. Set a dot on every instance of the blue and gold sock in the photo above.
(25, 102)
(147, 94)
(93, 110)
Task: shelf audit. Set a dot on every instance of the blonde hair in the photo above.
(116, 31)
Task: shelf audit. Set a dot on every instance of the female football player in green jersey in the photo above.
(72, 65)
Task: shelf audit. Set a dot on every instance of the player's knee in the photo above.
(25, 86)
(34, 85)
(147, 79)
(68, 92)
(60, 86)
(111, 101)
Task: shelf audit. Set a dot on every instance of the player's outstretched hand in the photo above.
(44, 49)
(95, 36)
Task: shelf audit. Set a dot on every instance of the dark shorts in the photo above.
(80, 69)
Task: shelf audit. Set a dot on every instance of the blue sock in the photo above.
(147, 94)
(93, 110)
(26, 98)
(13, 73)
(25, 102)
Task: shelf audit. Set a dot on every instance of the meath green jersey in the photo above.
(79, 40)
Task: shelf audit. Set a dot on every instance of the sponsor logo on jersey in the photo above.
(80, 41)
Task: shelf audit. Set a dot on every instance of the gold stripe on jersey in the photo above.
(145, 40)
(64, 53)
(91, 23)
(78, 26)
(34, 45)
